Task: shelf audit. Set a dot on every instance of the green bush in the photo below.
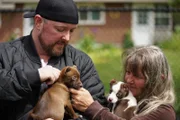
(13, 36)
(173, 43)
(108, 64)
(86, 44)
(127, 42)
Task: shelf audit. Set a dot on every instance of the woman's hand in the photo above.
(81, 99)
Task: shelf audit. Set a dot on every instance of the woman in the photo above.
(147, 73)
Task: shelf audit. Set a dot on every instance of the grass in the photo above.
(108, 65)
(174, 61)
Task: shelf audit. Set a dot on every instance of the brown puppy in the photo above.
(56, 100)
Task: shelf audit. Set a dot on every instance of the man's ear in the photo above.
(38, 21)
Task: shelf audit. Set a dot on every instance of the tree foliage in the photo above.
(175, 3)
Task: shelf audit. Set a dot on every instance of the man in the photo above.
(31, 63)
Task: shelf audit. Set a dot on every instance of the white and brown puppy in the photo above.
(123, 101)
(56, 99)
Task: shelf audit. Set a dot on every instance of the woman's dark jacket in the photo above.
(97, 112)
(20, 85)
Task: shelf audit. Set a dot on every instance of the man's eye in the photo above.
(60, 30)
(71, 31)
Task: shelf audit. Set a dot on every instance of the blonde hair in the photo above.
(159, 88)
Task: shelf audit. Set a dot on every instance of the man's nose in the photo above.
(66, 36)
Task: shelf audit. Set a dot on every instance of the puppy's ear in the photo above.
(112, 82)
(125, 87)
(74, 66)
(68, 69)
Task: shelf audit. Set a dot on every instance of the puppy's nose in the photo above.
(110, 99)
(80, 85)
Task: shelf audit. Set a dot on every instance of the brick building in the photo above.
(104, 26)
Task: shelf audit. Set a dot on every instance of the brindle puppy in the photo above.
(122, 102)
(56, 100)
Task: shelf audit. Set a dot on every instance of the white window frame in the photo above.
(89, 20)
(147, 13)
(162, 15)
(28, 23)
(143, 20)
(27, 26)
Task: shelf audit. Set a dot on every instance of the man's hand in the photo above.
(49, 74)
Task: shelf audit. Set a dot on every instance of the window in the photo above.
(142, 17)
(27, 25)
(162, 18)
(91, 17)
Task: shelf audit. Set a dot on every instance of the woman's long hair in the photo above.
(159, 88)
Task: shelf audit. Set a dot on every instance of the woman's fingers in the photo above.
(73, 91)
(81, 99)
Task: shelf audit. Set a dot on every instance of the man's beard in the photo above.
(50, 49)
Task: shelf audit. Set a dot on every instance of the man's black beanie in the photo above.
(56, 10)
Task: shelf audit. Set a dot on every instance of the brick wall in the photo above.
(11, 25)
(117, 24)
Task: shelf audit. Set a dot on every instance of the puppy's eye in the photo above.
(74, 77)
(118, 95)
(110, 91)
